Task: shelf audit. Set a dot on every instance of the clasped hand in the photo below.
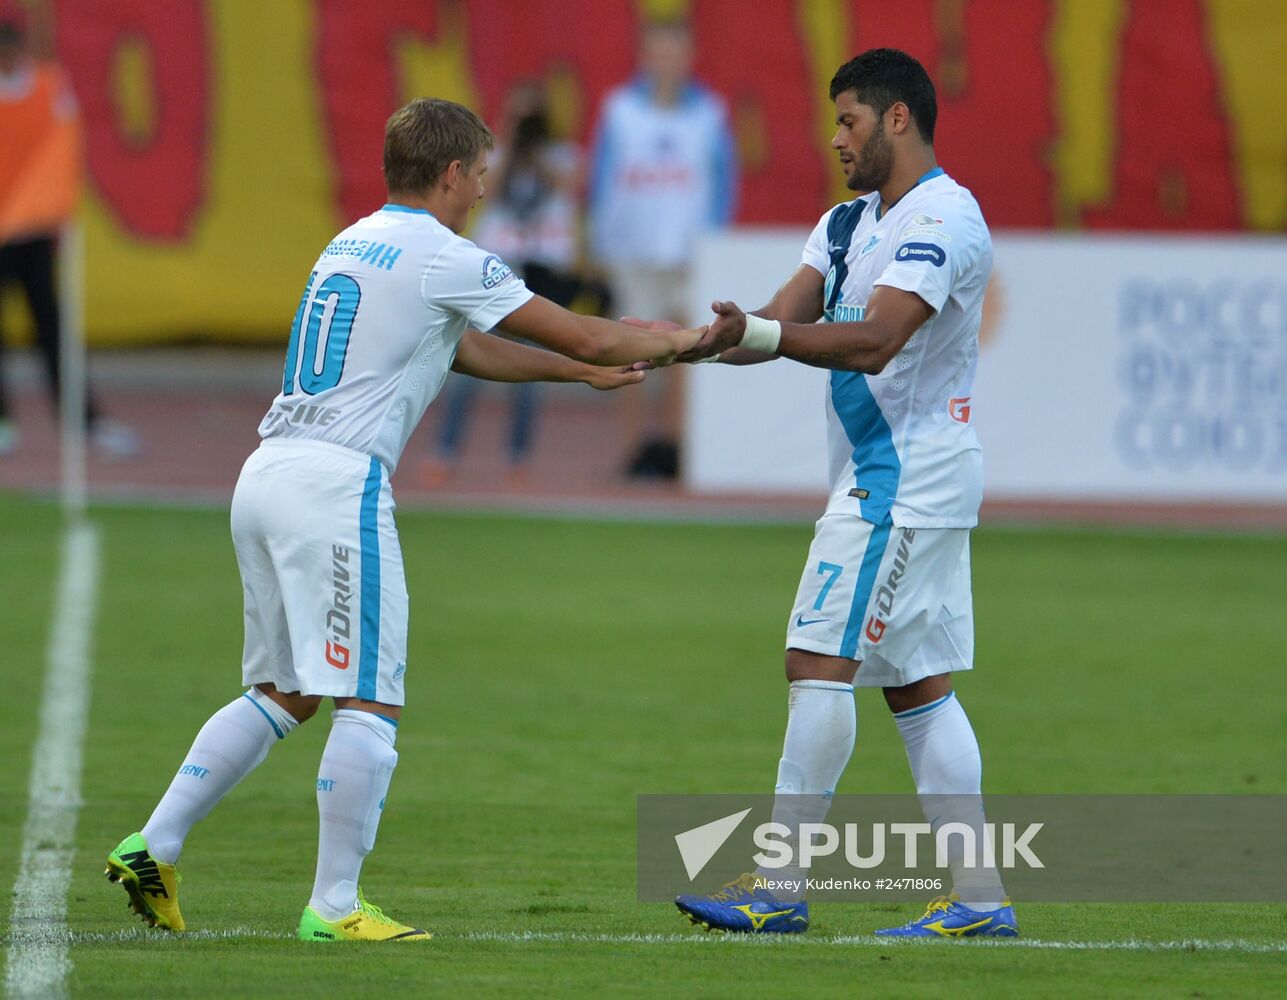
(725, 332)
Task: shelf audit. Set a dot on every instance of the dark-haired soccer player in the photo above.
(899, 276)
(385, 312)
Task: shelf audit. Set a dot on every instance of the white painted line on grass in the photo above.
(141, 935)
(38, 963)
(155, 936)
(870, 940)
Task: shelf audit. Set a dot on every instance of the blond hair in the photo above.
(422, 139)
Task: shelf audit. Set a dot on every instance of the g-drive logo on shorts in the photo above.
(495, 271)
(876, 624)
(337, 618)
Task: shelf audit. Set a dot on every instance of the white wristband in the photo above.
(761, 334)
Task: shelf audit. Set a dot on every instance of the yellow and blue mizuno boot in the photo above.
(153, 887)
(948, 917)
(744, 905)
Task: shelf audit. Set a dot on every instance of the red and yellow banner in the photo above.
(228, 140)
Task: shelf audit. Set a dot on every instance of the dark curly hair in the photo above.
(882, 78)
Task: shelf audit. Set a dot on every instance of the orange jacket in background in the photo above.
(40, 159)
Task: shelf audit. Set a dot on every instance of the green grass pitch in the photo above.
(559, 668)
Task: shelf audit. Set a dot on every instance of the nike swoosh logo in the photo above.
(801, 623)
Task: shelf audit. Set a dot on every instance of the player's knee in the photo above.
(802, 665)
(918, 693)
(302, 707)
(391, 712)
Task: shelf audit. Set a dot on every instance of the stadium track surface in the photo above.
(197, 409)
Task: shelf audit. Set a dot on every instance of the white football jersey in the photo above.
(659, 175)
(902, 444)
(377, 329)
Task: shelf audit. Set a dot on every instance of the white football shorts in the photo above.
(895, 599)
(321, 567)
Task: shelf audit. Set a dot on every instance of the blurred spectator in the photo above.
(39, 178)
(663, 169)
(530, 218)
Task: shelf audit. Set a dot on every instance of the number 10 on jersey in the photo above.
(324, 317)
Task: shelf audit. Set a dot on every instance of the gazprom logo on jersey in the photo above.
(495, 271)
(921, 251)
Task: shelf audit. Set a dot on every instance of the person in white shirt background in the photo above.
(663, 169)
(533, 220)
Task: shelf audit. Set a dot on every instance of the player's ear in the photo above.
(451, 176)
(900, 118)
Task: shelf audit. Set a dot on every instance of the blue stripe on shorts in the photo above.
(369, 533)
(876, 545)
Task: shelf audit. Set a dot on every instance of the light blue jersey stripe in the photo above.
(369, 525)
(876, 465)
(876, 545)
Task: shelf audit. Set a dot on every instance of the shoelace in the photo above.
(744, 883)
(939, 904)
(374, 912)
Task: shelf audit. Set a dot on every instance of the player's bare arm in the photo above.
(484, 356)
(867, 346)
(593, 340)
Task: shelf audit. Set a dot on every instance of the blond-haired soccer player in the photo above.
(392, 303)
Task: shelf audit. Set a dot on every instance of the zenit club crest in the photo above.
(495, 271)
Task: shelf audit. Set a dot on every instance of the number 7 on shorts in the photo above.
(832, 572)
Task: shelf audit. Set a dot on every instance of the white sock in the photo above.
(821, 725)
(947, 768)
(352, 782)
(232, 743)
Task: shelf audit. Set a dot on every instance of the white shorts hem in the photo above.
(320, 690)
(883, 675)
